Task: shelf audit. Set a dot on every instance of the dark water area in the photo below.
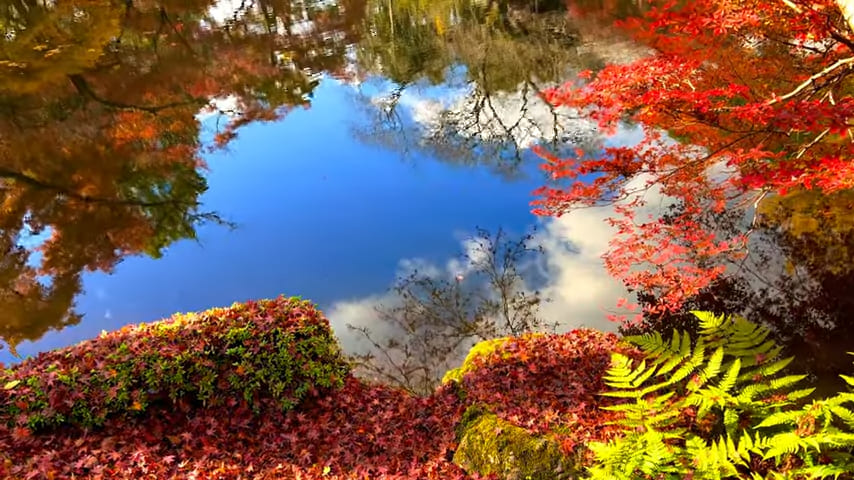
(166, 156)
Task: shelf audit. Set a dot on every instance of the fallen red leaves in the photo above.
(360, 431)
(549, 383)
(543, 383)
(281, 349)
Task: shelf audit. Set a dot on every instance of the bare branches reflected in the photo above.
(431, 320)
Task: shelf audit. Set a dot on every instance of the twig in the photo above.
(811, 80)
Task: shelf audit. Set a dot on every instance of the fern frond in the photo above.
(652, 344)
(844, 414)
(731, 376)
(783, 443)
(795, 395)
(787, 381)
(752, 392)
(710, 324)
(712, 369)
(780, 418)
(695, 360)
(823, 471)
(774, 367)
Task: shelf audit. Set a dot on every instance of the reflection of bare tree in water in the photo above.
(434, 320)
(482, 128)
(502, 125)
(506, 53)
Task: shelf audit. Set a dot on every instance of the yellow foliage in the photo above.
(51, 43)
(820, 225)
(481, 349)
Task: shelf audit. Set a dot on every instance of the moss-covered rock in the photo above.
(481, 352)
(489, 445)
(544, 391)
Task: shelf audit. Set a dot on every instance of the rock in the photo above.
(489, 445)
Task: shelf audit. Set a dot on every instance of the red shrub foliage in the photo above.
(281, 349)
(549, 383)
(360, 431)
(757, 94)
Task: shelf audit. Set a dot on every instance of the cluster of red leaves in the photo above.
(360, 431)
(357, 432)
(282, 349)
(549, 384)
(757, 94)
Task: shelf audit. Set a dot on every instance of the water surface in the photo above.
(172, 156)
(163, 156)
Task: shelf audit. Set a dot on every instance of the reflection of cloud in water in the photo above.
(581, 292)
(521, 118)
(570, 273)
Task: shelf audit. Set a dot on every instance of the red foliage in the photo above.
(361, 431)
(358, 432)
(281, 349)
(548, 383)
(760, 90)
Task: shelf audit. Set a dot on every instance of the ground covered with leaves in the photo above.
(314, 422)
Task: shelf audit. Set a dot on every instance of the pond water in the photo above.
(172, 156)
(165, 156)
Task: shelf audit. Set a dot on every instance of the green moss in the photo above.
(489, 445)
(481, 349)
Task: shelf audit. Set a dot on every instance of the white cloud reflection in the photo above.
(581, 292)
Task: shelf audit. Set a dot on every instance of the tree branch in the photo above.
(811, 80)
(84, 89)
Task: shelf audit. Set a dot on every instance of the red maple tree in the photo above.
(739, 100)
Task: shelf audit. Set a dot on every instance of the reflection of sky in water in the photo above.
(327, 217)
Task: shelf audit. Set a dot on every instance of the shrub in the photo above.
(547, 385)
(719, 407)
(281, 349)
(360, 431)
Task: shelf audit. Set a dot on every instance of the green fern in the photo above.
(719, 408)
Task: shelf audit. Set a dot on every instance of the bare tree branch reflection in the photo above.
(434, 320)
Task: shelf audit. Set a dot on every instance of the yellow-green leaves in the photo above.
(708, 408)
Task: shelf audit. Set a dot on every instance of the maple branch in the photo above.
(846, 7)
(813, 142)
(811, 80)
(792, 5)
(82, 87)
(65, 192)
(665, 176)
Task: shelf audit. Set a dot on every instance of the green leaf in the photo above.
(713, 368)
(728, 381)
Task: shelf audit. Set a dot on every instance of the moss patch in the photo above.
(489, 445)
(481, 349)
